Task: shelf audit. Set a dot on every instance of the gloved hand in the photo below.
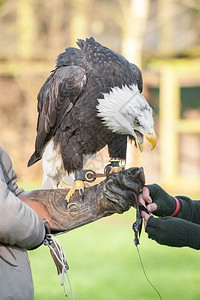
(166, 204)
(125, 185)
(173, 232)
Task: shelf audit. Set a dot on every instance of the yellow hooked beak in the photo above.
(150, 136)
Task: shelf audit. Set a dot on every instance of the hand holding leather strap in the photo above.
(166, 203)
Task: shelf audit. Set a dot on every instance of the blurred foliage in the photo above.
(172, 27)
(34, 32)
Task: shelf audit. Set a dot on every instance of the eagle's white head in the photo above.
(125, 111)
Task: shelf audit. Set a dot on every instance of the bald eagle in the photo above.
(92, 99)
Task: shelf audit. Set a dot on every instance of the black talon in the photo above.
(108, 171)
(82, 194)
(66, 203)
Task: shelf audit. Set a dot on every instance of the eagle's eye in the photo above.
(136, 123)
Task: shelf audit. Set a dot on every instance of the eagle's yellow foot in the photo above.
(109, 170)
(77, 185)
(116, 169)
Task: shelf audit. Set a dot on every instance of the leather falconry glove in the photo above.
(166, 203)
(173, 232)
(106, 198)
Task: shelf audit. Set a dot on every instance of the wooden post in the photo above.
(135, 17)
(166, 10)
(78, 24)
(26, 32)
(169, 114)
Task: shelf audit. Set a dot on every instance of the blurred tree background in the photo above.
(149, 33)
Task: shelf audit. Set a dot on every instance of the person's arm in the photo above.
(19, 224)
(174, 232)
(189, 209)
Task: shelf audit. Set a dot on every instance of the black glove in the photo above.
(126, 184)
(173, 232)
(166, 204)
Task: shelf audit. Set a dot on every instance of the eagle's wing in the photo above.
(55, 99)
(138, 75)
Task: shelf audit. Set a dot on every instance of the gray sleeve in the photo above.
(19, 224)
(7, 174)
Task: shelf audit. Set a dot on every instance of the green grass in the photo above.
(104, 265)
